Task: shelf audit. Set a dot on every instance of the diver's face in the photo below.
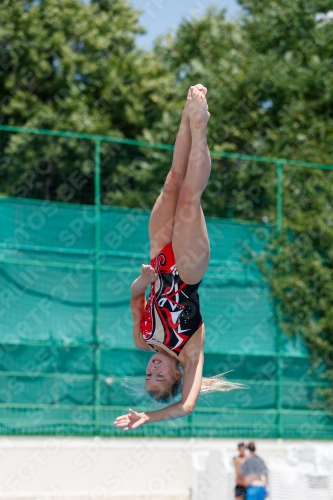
(161, 372)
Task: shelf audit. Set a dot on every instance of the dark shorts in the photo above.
(240, 491)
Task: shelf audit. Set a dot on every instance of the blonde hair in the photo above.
(166, 395)
(218, 384)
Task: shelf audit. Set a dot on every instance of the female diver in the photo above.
(170, 322)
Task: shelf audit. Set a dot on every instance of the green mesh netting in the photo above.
(58, 377)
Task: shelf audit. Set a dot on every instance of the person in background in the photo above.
(240, 490)
(255, 474)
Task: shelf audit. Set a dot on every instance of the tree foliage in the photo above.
(71, 66)
(271, 94)
(75, 66)
(295, 42)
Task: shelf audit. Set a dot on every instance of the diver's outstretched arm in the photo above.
(190, 393)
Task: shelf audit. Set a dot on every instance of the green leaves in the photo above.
(75, 66)
(270, 93)
(72, 66)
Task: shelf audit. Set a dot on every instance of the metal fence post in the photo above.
(279, 347)
(97, 352)
(279, 168)
(279, 389)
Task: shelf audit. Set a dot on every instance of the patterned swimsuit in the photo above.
(172, 313)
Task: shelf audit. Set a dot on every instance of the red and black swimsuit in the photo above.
(172, 313)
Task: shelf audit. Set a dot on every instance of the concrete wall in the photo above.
(102, 468)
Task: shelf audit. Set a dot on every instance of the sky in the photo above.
(159, 16)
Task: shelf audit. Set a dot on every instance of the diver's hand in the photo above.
(131, 421)
(147, 275)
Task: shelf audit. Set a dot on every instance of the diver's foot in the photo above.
(198, 109)
(199, 87)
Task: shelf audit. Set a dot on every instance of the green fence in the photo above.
(67, 362)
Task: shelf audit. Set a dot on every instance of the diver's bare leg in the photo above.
(162, 218)
(190, 238)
